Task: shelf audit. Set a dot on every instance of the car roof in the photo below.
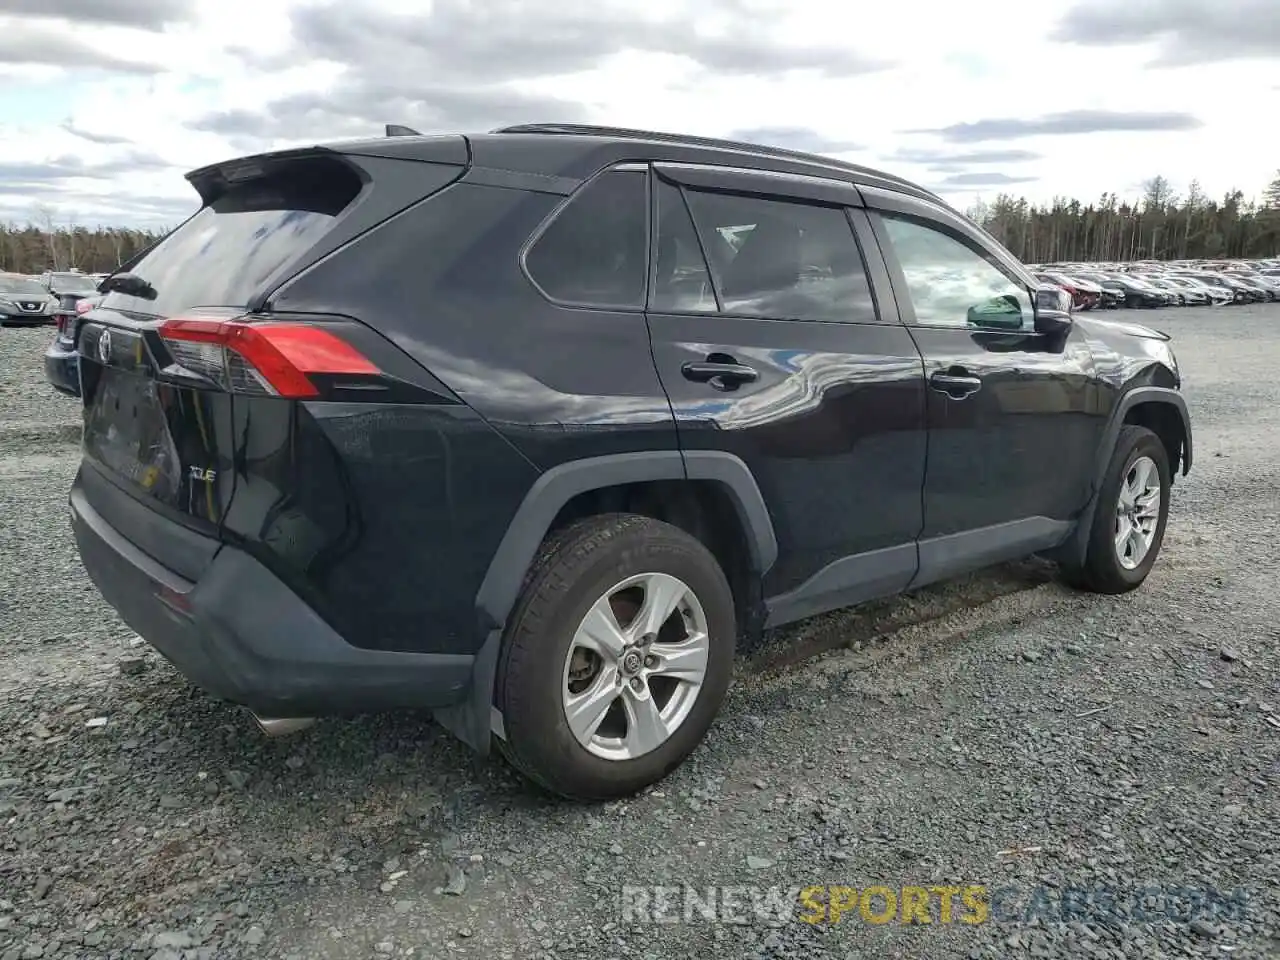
(579, 150)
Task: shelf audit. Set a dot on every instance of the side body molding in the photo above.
(474, 720)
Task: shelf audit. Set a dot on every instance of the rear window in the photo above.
(224, 254)
(72, 283)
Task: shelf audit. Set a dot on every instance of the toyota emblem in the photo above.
(104, 346)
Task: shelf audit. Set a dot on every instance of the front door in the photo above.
(1014, 418)
(770, 346)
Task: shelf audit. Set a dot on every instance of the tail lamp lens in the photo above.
(264, 358)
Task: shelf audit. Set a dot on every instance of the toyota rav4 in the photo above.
(532, 428)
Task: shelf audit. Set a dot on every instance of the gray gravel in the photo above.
(1002, 731)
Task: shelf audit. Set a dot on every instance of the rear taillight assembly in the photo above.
(265, 358)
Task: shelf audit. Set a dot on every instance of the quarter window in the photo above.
(595, 251)
(952, 284)
(775, 259)
(682, 283)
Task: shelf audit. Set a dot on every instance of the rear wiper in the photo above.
(128, 283)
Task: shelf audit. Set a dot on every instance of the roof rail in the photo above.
(400, 130)
(628, 133)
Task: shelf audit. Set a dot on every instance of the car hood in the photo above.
(1124, 327)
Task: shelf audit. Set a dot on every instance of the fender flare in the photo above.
(474, 720)
(1078, 546)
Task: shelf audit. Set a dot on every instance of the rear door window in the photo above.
(224, 254)
(782, 259)
(594, 252)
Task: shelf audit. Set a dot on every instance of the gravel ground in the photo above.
(1001, 731)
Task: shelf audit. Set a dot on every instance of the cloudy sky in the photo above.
(105, 103)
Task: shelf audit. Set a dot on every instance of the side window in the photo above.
(595, 251)
(781, 259)
(952, 284)
(681, 281)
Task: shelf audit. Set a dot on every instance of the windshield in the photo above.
(72, 283)
(22, 287)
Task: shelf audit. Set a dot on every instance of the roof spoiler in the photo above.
(400, 130)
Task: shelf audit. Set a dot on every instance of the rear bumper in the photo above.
(241, 634)
(61, 368)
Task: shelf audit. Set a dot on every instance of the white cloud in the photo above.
(1059, 98)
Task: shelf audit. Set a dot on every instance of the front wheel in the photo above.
(1129, 522)
(616, 658)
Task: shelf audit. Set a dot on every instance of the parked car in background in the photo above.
(818, 384)
(1084, 294)
(1272, 284)
(1255, 284)
(69, 284)
(24, 301)
(1197, 293)
(1238, 291)
(1178, 293)
(1110, 297)
(61, 362)
(1091, 290)
(1137, 292)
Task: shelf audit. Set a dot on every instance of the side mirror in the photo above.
(1052, 311)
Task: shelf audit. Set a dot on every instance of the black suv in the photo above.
(532, 427)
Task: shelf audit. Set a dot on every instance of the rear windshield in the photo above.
(224, 254)
(19, 287)
(72, 283)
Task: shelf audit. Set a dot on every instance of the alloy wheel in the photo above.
(1137, 512)
(635, 666)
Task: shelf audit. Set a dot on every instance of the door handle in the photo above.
(957, 386)
(721, 375)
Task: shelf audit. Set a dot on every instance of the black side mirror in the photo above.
(1052, 311)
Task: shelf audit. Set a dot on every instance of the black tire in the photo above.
(1102, 571)
(575, 568)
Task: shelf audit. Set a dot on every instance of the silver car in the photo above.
(24, 300)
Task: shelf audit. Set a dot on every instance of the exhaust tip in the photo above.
(283, 726)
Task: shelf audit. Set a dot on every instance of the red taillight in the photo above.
(274, 358)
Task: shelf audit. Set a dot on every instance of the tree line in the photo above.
(32, 248)
(1158, 226)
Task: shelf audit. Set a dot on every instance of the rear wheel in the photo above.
(1129, 522)
(617, 657)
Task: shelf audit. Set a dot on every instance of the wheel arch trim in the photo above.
(475, 720)
(1136, 397)
(1078, 546)
(557, 486)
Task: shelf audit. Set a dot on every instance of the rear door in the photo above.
(778, 342)
(163, 438)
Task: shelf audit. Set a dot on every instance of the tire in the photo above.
(1103, 570)
(576, 570)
